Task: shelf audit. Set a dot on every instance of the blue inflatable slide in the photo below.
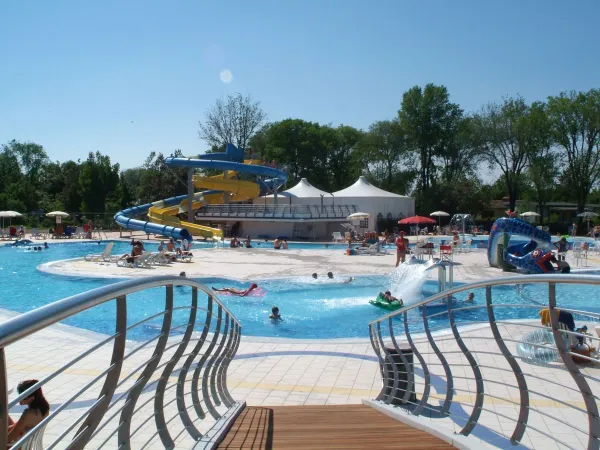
(533, 256)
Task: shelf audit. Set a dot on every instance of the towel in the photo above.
(545, 316)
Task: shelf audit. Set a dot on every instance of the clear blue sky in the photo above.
(128, 77)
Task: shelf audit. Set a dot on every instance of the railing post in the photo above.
(112, 379)
(580, 381)
(514, 365)
(3, 400)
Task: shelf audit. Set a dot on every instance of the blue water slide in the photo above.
(522, 256)
(126, 219)
(231, 159)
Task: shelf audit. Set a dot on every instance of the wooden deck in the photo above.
(324, 427)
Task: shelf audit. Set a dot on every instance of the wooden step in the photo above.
(324, 427)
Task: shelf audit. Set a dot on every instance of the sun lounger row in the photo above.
(145, 260)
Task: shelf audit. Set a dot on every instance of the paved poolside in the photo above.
(271, 372)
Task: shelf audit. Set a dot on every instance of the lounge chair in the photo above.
(144, 261)
(185, 257)
(79, 233)
(105, 256)
(337, 236)
(36, 442)
(161, 258)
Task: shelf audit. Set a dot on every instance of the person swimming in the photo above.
(315, 276)
(346, 280)
(388, 297)
(275, 315)
(470, 298)
(238, 292)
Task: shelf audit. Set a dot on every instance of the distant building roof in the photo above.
(362, 188)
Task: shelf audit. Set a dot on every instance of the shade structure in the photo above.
(9, 215)
(358, 215)
(57, 214)
(416, 220)
(588, 215)
(530, 214)
(439, 214)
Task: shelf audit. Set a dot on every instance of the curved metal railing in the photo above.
(475, 369)
(168, 390)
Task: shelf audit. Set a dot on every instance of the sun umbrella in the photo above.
(415, 220)
(588, 215)
(439, 214)
(358, 215)
(57, 214)
(530, 214)
(10, 215)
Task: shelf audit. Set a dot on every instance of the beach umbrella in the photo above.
(530, 214)
(9, 215)
(588, 215)
(57, 214)
(416, 220)
(439, 214)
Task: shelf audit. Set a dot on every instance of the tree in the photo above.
(98, 178)
(342, 163)
(575, 121)
(430, 122)
(502, 133)
(542, 168)
(383, 152)
(460, 154)
(234, 120)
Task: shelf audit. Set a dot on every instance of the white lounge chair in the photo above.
(144, 261)
(35, 233)
(161, 258)
(337, 236)
(105, 256)
(36, 442)
(79, 234)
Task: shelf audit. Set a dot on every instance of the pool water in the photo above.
(311, 309)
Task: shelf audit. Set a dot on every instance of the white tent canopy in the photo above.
(374, 201)
(362, 188)
(302, 190)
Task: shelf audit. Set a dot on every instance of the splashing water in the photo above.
(407, 279)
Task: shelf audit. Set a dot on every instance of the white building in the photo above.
(305, 212)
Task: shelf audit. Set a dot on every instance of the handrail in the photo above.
(277, 211)
(112, 417)
(465, 365)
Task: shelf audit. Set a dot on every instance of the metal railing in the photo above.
(474, 369)
(168, 390)
(294, 212)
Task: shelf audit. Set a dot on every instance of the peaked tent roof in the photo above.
(362, 188)
(302, 190)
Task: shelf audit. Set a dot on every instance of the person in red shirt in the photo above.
(401, 247)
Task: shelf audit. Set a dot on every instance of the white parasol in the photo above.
(9, 215)
(439, 214)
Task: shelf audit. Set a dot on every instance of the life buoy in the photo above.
(536, 254)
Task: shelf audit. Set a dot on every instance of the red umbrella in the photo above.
(415, 220)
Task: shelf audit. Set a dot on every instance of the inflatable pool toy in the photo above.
(533, 256)
(22, 243)
(381, 302)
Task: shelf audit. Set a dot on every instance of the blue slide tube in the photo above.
(126, 219)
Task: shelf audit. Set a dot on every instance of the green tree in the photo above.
(430, 122)
(502, 135)
(98, 178)
(232, 121)
(542, 170)
(384, 152)
(575, 119)
(342, 165)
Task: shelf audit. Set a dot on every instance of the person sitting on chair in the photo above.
(37, 409)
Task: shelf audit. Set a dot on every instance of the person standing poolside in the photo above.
(561, 246)
(401, 247)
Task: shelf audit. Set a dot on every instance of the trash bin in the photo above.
(403, 371)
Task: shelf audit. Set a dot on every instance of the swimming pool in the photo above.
(312, 309)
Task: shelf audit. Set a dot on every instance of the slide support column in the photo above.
(190, 196)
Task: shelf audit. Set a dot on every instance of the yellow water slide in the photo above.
(239, 191)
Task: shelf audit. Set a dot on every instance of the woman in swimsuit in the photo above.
(238, 292)
(37, 409)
